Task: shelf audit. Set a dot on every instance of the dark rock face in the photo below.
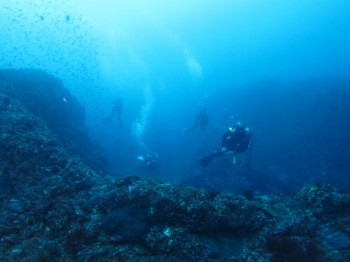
(46, 97)
(55, 207)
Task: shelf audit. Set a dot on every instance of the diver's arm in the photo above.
(224, 138)
(225, 141)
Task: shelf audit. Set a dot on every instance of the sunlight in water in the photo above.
(140, 124)
(193, 66)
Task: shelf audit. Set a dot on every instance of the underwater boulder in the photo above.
(46, 97)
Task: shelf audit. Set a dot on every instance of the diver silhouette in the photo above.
(234, 141)
(201, 121)
(117, 108)
(149, 162)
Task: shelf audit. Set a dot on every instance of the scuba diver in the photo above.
(149, 162)
(201, 121)
(234, 141)
(117, 108)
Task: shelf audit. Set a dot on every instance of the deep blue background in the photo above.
(282, 67)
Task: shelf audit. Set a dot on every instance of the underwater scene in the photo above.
(188, 130)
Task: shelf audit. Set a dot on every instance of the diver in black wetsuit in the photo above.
(234, 141)
(117, 108)
(201, 121)
(149, 162)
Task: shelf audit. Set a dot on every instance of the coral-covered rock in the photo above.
(45, 96)
(323, 199)
(177, 244)
(55, 207)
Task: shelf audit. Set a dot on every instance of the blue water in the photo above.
(283, 67)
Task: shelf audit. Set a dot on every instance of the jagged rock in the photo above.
(46, 97)
(55, 207)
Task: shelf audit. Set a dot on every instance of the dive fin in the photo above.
(207, 159)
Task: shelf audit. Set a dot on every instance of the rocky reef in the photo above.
(55, 206)
(45, 97)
